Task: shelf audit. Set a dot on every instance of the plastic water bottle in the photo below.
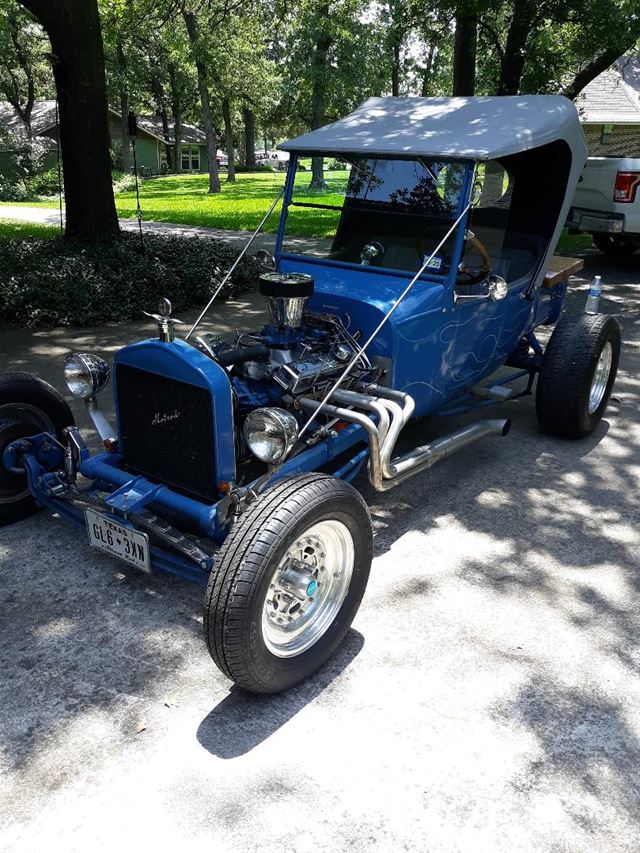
(593, 299)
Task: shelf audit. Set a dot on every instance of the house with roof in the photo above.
(42, 116)
(609, 109)
(151, 145)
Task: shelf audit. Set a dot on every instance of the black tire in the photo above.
(245, 565)
(567, 373)
(27, 406)
(616, 247)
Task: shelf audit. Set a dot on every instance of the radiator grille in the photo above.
(166, 429)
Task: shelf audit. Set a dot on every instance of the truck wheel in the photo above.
(616, 246)
(27, 406)
(288, 582)
(578, 370)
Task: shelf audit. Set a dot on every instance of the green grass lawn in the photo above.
(241, 205)
(16, 229)
(577, 243)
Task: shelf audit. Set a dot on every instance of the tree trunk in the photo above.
(464, 48)
(124, 132)
(249, 119)
(25, 109)
(512, 64)
(319, 72)
(73, 27)
(176, 109)
(395, 68)
(157, 89)
(166, 133)
(599, 64)
(429, 68)
(124, 110)
(396, 34)
(203, 89)
(228, 135)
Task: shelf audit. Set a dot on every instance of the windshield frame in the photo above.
(427, 276)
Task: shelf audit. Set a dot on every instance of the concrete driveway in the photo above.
(486, 699)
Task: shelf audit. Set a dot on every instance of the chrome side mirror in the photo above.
(495, 288)
(266, 259)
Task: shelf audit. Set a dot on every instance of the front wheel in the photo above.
(578, 370)
(27, 406)
(288, 582)
(616, 246)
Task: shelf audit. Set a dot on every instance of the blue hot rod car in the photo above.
(230, 461)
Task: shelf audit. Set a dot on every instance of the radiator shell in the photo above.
(175, 417)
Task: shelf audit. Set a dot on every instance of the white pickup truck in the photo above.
(606, 205)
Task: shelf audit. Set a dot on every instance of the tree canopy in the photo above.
(250, 72)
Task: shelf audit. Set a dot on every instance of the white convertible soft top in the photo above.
(482, 128)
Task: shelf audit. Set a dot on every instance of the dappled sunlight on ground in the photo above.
(490, 684)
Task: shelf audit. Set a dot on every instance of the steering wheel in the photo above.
(467, 275)
(372, 253)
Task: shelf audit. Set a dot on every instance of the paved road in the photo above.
(486, 699)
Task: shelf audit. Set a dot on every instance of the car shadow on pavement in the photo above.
(242, 720)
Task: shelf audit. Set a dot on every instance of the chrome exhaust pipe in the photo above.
(427, 455)
(351, 398)
(348, 415)
(384, 477)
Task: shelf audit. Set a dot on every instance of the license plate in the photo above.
(119, 541)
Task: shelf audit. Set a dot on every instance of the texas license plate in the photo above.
(119, 541)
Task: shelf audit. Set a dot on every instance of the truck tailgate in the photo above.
(594, 207)
(597, 182)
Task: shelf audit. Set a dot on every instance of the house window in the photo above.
(606, 133)
(190, 158)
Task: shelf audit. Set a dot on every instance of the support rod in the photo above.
(391, 310)
(234, 265)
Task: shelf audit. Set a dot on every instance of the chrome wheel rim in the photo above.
(308, 588)
(600, 378)
(22, 412)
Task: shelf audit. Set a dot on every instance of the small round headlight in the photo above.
(85, 374)
(270, 433)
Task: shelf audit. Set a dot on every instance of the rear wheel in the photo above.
(28, 406)
(288, 582)
(616, 246)
(578, 370)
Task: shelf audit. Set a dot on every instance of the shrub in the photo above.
(261, 167)
(123, 183)
(53, 282)
(24, 158)
(12, 190)
(43, 184)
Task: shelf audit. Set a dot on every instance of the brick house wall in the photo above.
(624, 140)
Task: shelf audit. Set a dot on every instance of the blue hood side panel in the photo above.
(411, 336)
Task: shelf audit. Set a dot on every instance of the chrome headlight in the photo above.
(270, 433)
(85, 374)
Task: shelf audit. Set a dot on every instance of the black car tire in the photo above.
(237, 594)
(28, 405)
(564, 403)
(616, 247)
